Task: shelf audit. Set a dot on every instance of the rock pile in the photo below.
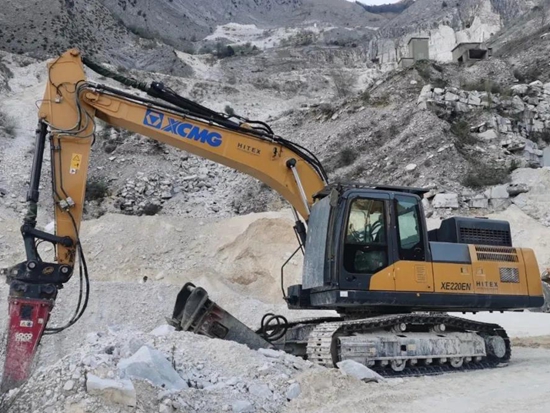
(163, 371)
(495, 198)
(146, 194)
(522, 114)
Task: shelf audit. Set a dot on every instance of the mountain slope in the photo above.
(176, 21)
(44, 29)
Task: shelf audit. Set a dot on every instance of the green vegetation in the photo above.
(327, 109)
(151, 209)
(527, 75)
(303, 38)
(482, 174)
(514, 164)
(461, 129)
(229, 110)
(542, 136)
(365, 97)
(346, 157)
(430, 72)
(96, 189)
(7, 124)
(381, 101)
(222, 51)
(485, 85)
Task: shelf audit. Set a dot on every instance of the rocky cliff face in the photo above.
(143, 34)
(446, 23)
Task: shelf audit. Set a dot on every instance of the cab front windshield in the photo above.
(365, 249)
(366, 222)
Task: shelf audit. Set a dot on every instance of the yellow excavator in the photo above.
(368, 254)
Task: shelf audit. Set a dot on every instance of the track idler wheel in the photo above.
(496, 346)
(398, 365)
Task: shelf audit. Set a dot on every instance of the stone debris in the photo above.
(293, 391)
(150, 364)
(260, 390)
(271, 353)
(359, 371)
(515, 189)
(498, 192)
(488, 135)
(479, 201)
(242, 406)
(517, 121)
(168, 372)
(445, 201)
(119, 391)
(163, 330)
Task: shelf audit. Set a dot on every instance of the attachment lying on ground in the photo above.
(195, 312)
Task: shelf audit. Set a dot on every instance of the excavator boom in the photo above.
(67, 120)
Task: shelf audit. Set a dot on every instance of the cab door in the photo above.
(365, 242)
(413, 268)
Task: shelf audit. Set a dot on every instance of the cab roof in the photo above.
(341, 187)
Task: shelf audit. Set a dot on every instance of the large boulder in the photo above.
(358, 370)
(445, 201)
(519, 89)
(517, 105)
(150, 364)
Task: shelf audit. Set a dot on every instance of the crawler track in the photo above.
(322, 343)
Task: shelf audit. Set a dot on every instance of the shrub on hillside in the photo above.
(96, 190)
(481, 174)
(229, 110)
(484, 85)
(7, 125)
(346, 157)
(461, 130)
(542, 136)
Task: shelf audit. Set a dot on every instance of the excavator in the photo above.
(368, 254)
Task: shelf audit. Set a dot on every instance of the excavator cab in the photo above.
(355, 232)
(368, 249)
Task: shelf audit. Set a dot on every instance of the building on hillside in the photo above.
(418, 49)
(470, 52)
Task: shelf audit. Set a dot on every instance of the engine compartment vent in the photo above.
(509, 275)
(475, 231)
(496, 254)
(482, 236)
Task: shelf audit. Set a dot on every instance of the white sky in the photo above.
(376, 1)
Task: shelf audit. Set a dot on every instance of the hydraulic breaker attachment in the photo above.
(33, 284)
(195, 312)
(29, 311)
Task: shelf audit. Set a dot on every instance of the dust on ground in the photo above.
(532, 342)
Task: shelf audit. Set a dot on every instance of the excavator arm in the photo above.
(67, 120)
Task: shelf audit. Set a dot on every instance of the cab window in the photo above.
(365, 246)
(409, 229)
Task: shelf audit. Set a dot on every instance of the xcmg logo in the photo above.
(185, 130)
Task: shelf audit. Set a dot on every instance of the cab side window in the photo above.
(410, 235)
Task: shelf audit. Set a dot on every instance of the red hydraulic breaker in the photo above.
(28, 319)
